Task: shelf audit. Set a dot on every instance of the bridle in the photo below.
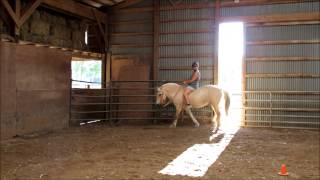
(169, 102)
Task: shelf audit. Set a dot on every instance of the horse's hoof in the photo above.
(172, 126)
(196, 125)
(214, 131)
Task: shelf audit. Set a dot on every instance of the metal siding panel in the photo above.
(186, 26)
(131, 39)
(297, 32)
(289, 67)
(283, 84)
(127, 27)
(186, 14)
(270, 9)
(298, 50)
(187, 38)
(124, 28)
(176, 62)
(129, 51)
(184, 50)
(121, 16)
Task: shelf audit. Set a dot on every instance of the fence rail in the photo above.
(135, 100)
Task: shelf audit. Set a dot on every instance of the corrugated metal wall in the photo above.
(282, 68)
(186, 35)
(282, 59)
(131, 33)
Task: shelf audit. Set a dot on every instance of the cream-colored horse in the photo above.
(209, 95)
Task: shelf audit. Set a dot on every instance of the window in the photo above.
(86, 37)
(86, 73)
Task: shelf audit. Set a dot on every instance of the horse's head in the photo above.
(161, 96)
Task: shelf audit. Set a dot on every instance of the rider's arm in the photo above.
(193, 78)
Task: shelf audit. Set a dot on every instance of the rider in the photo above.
(192, 83)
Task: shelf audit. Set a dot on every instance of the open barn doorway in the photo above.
(231, 48)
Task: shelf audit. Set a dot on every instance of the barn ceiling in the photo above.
(100, 3)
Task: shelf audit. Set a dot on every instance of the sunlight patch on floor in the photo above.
(196, 160)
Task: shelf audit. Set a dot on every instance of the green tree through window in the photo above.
(86, 70)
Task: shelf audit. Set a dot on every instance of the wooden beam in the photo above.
(75, 8)
(4, 15)
(293, 17)
(126, 3)
(28, 10)
(10, 11)
(18, 14)
(18, 8)
(105, 2)
(132, 10)
(99, 25)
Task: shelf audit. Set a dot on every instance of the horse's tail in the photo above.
(227, 101)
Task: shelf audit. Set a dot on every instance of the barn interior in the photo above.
(79, 78)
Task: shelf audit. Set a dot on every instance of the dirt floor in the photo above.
(137, 152)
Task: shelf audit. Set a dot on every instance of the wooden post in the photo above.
(244, 80)
(18, 14)
(156, 36)
(216, 46)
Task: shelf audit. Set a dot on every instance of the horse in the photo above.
(209, 95)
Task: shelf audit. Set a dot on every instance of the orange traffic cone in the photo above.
(283, 170)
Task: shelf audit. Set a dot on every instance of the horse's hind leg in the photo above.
(215, 119)
(196, 123)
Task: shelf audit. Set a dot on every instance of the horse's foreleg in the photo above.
(188, 110)
(182, 116)
(174, 123)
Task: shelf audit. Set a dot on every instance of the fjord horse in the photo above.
(209, 95)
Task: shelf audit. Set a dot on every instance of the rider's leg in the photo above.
(186, 93)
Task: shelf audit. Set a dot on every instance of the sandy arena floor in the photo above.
(136, 152)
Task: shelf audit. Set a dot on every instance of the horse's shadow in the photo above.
(217, 137)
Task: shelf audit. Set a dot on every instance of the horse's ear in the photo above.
(158, 89)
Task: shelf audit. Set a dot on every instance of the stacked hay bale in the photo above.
(57, 30)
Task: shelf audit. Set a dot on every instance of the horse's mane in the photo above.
(169, 84)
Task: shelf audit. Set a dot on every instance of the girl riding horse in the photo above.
(193, 83)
